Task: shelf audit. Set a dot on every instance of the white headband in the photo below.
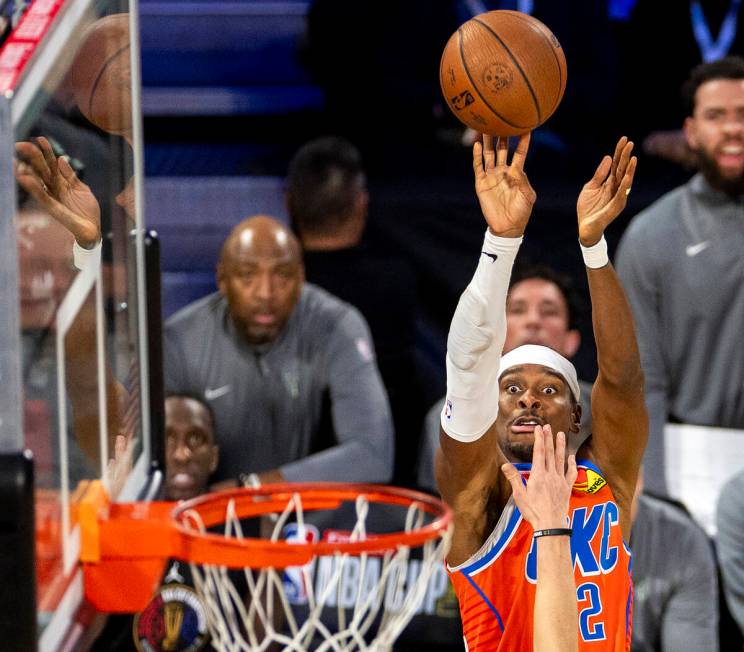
(542, 355)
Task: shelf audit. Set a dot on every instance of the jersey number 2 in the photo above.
(590, 627)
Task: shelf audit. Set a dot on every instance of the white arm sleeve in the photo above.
(475, 342)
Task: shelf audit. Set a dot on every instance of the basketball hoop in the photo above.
(348, 589)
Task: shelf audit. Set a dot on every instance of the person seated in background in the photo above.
(675, 598)
(191, 453)
(541, 308)
(680, 263)
(191, 456)
(730, 545)
(327, 200)
(277, 359)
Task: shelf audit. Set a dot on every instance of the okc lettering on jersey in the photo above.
(585, 526)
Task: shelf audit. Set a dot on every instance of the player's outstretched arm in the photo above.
(468, 458)
(544, 504)
(620, 422)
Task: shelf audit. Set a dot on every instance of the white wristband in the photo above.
(596, 255)
(85, 257)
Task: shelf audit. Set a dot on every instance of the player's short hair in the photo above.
(574, 305)
(324, 179)
(199, 399)
(727, 68)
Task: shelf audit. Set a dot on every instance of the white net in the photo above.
(349, 602)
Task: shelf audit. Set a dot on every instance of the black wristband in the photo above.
(555, 532)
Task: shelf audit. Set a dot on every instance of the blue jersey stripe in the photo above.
(485, 599)
(511, 526)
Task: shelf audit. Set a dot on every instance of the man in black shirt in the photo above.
(328, 201)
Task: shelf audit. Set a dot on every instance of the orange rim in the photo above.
(214, 549)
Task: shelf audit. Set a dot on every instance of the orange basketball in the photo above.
(503, 73)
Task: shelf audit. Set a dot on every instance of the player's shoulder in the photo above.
(322, 313)
(669, 518)
(198, 315)
(660, 218)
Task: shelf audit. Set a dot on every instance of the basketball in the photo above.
(101, 75)
(503, 73)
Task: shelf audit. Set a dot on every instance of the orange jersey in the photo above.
(496, 586)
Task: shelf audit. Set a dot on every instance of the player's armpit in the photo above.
(468, 478)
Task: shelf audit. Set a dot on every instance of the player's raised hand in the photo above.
(504, 192)
(604, 197)
(544, 500)
(52, 182)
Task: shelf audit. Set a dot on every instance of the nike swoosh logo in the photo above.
(493, 257)
(211, 394)
(694, 250)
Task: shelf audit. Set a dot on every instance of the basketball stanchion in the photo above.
(242, 580)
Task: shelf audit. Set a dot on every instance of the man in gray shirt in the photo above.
(269, 352)
(730, 518)
(682, 267)
(675, 597)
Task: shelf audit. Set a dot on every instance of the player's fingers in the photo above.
(515, 480)
(618, 153)
(478, 159)
(31, 182)
(549, 447)
(49, 157)
(620, 199)
(32, 155)
(622, 167)
(629, 175)
(600, 174)
(66, 170)
(520, 154)
(560, 452)
(571, 470)
(489, 158)
(538, 450)
(502, 150)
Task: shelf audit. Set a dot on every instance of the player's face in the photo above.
(190, 453)
(262, 283)
(716, 131)
(537, 313)
(532, 395)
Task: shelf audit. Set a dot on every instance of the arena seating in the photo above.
(224, 57)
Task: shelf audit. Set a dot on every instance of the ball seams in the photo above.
(531, 24)
(517, 65)
(477, 90)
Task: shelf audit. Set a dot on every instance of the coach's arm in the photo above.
(360, 411)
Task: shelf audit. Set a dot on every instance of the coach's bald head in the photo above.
(260, 273)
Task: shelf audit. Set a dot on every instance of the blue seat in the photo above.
(224, 57)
